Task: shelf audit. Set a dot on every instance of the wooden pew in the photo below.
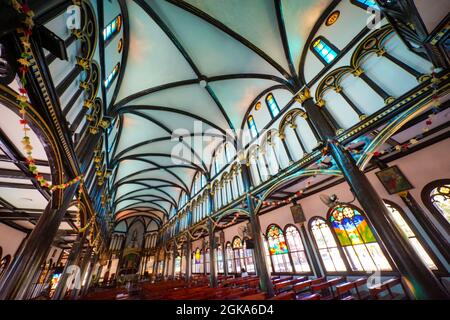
(290, 295)
(387, 286)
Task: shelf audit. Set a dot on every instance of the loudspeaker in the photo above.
(297, 213)
(249, 229)
(249, 244)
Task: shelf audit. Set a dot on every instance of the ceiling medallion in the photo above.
(332, 18)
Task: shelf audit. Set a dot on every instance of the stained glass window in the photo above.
(324, 50)
(207, 260)
(112, 76)
(249, 261)
(198, 261)
(252, 126)
(297, 250)
(112, 28)
(357, 239)
(268, 259)
(404, 227)
(238, 250)
(278, 249)
(440, 198)
(219, 259)
(230, 258)
(366, 4)
(272, 105)
(177, 265)
(327, 246)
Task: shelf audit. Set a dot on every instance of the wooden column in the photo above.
(84, 269)
(224, 260)
(440, 242)
(417, 277)
(260, 259)
(71, 261)
(26, 262)
(212, 256)
(188, 259)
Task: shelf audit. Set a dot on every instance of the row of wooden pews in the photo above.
(247, 288)
(302, 288)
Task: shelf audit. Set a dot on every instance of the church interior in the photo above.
(224, 150)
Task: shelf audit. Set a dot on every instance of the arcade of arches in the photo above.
(259, 149)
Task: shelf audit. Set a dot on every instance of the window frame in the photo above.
(268, 105)
(305, 250)
(114, 74)
(249, 125)
(426, 199)
(418, 236)
(289, 258)
(338, 247)
(113, 35)
(377, 240)
(363, 5)
(329, 44)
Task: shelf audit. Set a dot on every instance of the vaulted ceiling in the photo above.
(193, 68)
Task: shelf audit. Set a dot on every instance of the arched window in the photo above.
(297, 250)
(249, 261)
(230, 258)
(4, 263)
(324, 50)
(440, 199)
(178, 265)
(238, 252)
(268, 259)
(207, 260)
(198, 261)
(272, 105)
(278, 249)
(112, 29)
(219, 259)
(112, 76)
(252, 126)
(407, 232)
(357, 239)
(326, 245)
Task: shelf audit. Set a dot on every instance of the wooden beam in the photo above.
(17, 174)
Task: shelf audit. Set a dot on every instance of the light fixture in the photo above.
(332, 18)
(203, 83)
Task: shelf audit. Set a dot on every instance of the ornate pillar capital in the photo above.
(303, 95)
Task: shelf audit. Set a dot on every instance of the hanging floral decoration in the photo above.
(279, 202)
(22, 97)
(236, 216)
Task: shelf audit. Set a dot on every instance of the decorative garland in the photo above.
(22, 97)
(236, 216)
(279, 202)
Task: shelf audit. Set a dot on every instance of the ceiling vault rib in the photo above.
(147, 8)
(162, 168)
(283, 34)
(201, 14)
(168, 131)
(157, 188)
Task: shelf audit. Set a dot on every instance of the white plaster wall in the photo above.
(420, 168)
(10, 239)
